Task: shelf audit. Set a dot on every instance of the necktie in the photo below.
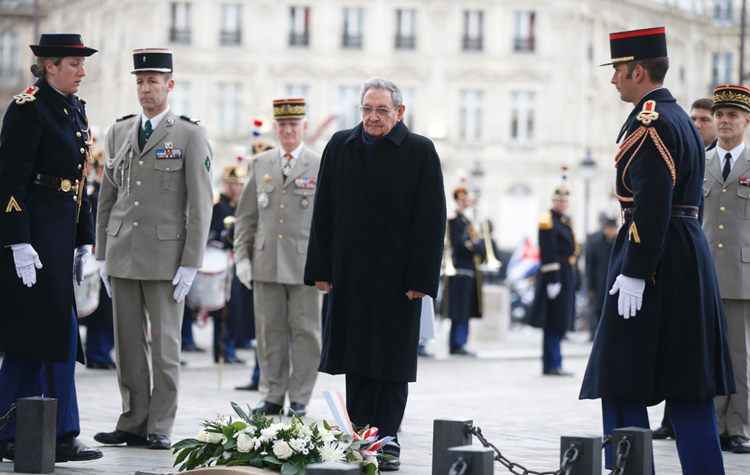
(286, 168)
(727, 166)
(145, 134)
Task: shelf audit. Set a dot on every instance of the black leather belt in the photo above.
(678, 211)
(63, 185)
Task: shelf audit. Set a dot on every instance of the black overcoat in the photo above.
(675, 347)
(557, 248)
(46, 135)
(377, 232)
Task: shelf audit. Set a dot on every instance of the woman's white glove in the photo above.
(553, 290)
(245, 273)
(631, 295)
(79, 256)
(183, 280)
(105, 277)
(27, 262)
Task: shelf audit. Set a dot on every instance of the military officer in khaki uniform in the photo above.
(271, 231)
(726, 222)
(152, 226)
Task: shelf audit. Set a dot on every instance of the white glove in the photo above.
(27, 262)
(105, 277)
(245, 273)
(183, 280)
(78, 257)
(553, 290)
(631, 295)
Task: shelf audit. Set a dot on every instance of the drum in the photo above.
(209, 290)
(87, 294)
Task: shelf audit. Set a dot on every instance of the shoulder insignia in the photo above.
(188, 119)
(648, 114)
(545, 222)
(28, 95)
(125, 117)
(81, 101)
(12, 206)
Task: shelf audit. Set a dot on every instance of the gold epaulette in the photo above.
(648, 114)
(28, 95)
(545, 222)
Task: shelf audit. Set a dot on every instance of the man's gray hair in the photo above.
(386, 85)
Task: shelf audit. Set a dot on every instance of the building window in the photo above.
(473, 39)
(229, 108)
(9, 59)
(179, 98)
(723, 11)
(523, 31)
(522, 116)
(353, 21)
(470, 115)
(406, 29)
(299, 26)
(722, 68)
(180, 30)
(348, 102)
(231, 24)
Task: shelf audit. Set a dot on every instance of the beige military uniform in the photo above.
(726, 223)
(272, 230)
(153, 217)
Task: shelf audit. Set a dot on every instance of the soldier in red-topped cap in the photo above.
(45, 231)
(662, 330)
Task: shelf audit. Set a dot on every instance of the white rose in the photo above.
(327, 437)
(210, 437)
(332, 452)
(282, 450)
(298, 445)
(245, 443)
(305, 432)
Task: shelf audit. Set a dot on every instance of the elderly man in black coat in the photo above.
(662, 331)
(375, 246)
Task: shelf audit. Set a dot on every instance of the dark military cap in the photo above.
(60, 45)
(633, 45)
(732, 95)
(234, 173)
(561, 191)
(155, 60)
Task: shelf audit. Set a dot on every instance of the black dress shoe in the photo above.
(118, 437)
(192, 349)
(266, 408)
(159, 442)
(247, 387)
(662, 433)
(557, 372)
(6, 450)
(463, 352)
(296, 409)
(389, 460)
(97, 365)
(74, 451)
(736, 444)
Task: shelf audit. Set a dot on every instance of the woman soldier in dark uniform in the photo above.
(45, 230)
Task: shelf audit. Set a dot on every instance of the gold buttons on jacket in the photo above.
(281, 236)
(138, 183)
(80, 166)
(83, 150)
(281, 221)
(720, 245)
(78, 134)
(722, 208)
(721, 226)
(137, 203)
(281, 206)
(140, 162)
(723, 190)
(135, 224)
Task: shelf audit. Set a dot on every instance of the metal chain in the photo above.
(8, 416)
(569, 457)
(623, 452)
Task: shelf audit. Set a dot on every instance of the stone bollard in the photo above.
(589, 461)
(447, 433)
(332, 468)
(479, 460)
(36, 434)
(641, 457)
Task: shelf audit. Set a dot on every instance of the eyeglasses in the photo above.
(380, 111)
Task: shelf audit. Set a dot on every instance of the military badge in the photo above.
(168, 152)
(28, 95)
(305, 183)
(263, 200)
(744, 180)
(648, 114)
(12, 206)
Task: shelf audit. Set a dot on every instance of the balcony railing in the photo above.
(180, 35)
(524, 45)
(230, 38)
(406, 42)
(299, 39)
(351, 41)
(473, 43)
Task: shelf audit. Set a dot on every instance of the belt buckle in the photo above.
(65, 185)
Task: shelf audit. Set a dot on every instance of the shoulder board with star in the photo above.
(188, 119)
(545, 222)
(125, 117)
(648, 114)
(28, 95)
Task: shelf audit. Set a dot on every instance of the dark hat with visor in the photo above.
(154, 60)
(60, 45)
(648, 43)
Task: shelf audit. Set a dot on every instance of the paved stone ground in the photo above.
(502, 391)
